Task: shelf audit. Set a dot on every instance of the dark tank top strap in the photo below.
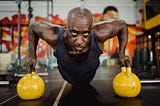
(60, 38)
(94, 43)
(61, 30)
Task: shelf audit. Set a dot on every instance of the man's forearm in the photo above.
(123, 39)
(122, 46)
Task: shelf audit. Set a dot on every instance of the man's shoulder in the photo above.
(108, 22)
(51, 24)
(37, 23)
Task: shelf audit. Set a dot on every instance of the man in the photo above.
(78, 45)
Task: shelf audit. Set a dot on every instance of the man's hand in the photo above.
(123, 59)
(30, 64)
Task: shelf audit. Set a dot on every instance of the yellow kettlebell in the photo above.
(31, 86)
(126, 83)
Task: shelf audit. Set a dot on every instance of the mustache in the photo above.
(79, 45)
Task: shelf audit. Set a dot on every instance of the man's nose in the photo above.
(79, 40)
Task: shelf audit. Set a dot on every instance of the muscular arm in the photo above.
(106, 30)
(44, 31)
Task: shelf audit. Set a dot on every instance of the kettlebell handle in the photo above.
(30, 68)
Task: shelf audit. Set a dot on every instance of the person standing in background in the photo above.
(110, 12)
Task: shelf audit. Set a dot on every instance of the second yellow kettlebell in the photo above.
(126, 83)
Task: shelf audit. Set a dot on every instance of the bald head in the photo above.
(78, 13)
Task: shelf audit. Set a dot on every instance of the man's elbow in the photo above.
(33, 27)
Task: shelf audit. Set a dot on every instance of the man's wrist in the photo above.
(121, 54)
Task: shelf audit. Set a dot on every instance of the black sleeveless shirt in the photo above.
(77, 73)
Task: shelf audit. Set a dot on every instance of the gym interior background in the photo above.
(56, 12)
(142, 17)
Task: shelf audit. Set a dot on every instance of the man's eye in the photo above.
(74, 33)
(85, 34)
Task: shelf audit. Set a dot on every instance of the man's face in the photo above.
(79, 34)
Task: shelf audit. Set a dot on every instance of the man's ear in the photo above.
(92, 28)
(65, 27)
